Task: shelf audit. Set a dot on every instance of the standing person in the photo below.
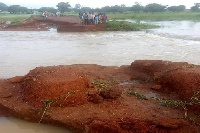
(43, 14)
(46, 14)
(93, 16)
(104, 18)
(81, 17)
(96, 19)
(90, 18)
(85, 17)
(100, 19)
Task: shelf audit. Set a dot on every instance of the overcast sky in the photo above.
(96, 3)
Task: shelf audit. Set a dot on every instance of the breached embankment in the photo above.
(147, 96)
(62, 24)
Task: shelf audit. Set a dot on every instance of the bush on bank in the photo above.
(128, 26)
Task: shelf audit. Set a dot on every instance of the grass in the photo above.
(193, 100)
(13, 18)
(72, 14)
(163, 73)
(101, 84)
(128, 26)
(163, 16)
(47, 103)
(138, 95)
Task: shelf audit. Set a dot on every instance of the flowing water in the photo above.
(23, 51)
(12, 125)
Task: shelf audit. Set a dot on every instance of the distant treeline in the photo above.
(66, 7)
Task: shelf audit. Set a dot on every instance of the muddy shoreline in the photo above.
(142, 97)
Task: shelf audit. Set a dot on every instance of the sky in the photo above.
(96, 3)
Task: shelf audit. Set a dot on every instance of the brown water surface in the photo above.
(12, 125)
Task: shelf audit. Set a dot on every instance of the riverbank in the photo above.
(144, 96)
(158, 16)
(70, 24)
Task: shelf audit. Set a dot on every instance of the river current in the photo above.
(21, 51)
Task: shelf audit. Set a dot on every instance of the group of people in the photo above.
(45, 14)
(90, 18)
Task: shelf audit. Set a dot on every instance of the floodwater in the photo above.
(12, 125)
(21, 51)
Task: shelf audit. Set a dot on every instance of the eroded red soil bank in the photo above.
(143, 97)
(62, 24)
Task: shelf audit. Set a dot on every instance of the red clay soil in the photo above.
(107, 99)
(63, 24)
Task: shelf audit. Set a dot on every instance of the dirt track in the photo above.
(63, 24)
(99, 99)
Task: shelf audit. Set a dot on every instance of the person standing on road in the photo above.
(85, 17)
(96, 19)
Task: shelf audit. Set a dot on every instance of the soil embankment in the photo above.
(147, 96)
(62, 24)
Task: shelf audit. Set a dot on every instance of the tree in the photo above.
(106, 9)
(63, 6)
(23, 9)
(78, 6)
(195, 8)
(86, 9)
(137, 8)
(13, 9)
(180, 8)
(154, 8)
(123, 5)
(3, 7)
(48, 9)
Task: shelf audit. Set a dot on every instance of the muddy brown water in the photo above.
(13, 125)
(22, 51)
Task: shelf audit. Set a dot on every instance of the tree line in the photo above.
(66, 7)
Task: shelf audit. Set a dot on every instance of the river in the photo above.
(21, 51)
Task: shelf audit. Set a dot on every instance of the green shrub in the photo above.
(128, 26)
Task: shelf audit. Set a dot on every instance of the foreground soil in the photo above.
(62, 24)
(147, 96)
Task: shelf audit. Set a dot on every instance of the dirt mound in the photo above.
(147, 96)
(63, 88)
(182, 78)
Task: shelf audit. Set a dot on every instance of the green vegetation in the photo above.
(159, 16)
(128, 26)
(163, 73)
(13, 18)
(193, 100)
(138, 95)
(71, 14)
(101, 84)
(48, 103)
